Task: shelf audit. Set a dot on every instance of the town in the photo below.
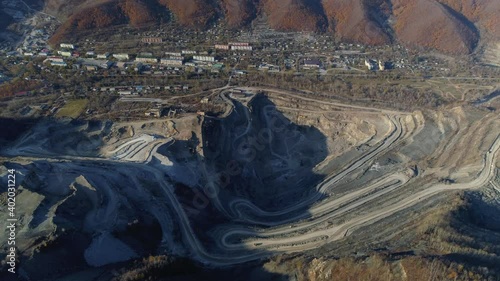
(137, 69)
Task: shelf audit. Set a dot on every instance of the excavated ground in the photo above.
(281, 173)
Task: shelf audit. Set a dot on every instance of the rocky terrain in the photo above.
(280, 186)
(454, 27)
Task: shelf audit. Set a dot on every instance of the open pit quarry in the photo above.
(278, 172)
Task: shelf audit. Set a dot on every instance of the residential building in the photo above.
(312, 63)
(221, 47)
(372, 65)
(204, 58)
(239, 44)
(173, 54)
(58, 63)
(146, 58)
(67, 46)
(172, 61)
(97, 63)
(241, 48)
(151, 40)
(64, 53)
(103, 56)
(381, 65)
(121, 56)
(55, 59)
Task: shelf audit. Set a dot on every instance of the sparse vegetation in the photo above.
(73, 108)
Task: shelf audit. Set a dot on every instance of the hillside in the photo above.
(350, 20)
(483, 13)
(192, 13)
(429, 24)
(448, 26)
(238, 12)
(136, 13)
(298, 15)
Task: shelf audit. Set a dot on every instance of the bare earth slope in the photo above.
(350, 20)
(426, 23)
(238, 12)
(300, 15)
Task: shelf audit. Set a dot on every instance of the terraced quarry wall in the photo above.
(275, 176)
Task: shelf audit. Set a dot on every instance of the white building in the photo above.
(381, 65)
(172, 61)
(57, 59)
(146, 59)
(221, 47)
(239, 44)
(121, 56)
(204, 58)
(103, 56)
(64, 53)
(188, 52)
(241, 48)
(372, 65)
(173, 54)
(67, 46)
